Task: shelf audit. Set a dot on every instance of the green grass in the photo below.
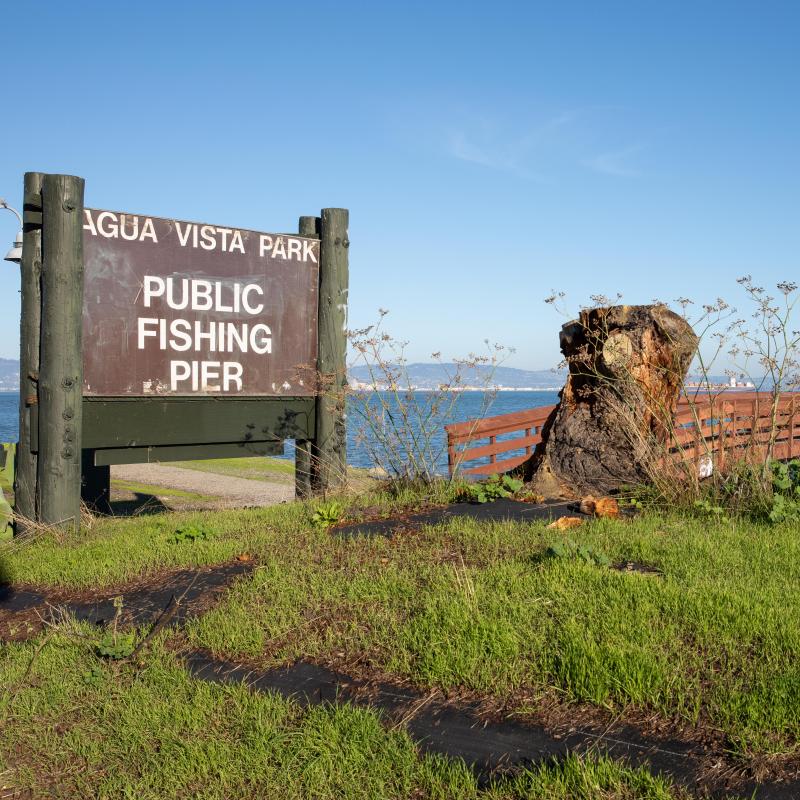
(256, 468)
(78, 727)
(260, 468)
(161, 491)
(713, 642)
(117, 550)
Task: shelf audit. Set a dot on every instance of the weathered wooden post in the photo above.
(303, 471)
(61, 356)
(329, 453)
(25, 481)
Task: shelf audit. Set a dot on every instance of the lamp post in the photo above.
(15, 253)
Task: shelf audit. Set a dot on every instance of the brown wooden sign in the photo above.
(185, 308)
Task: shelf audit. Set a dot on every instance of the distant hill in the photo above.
(9, 375)
(431, 376)
(421, 376)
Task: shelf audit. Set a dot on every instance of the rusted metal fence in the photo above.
(718, 427)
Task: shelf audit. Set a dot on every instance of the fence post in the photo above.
(61, 357)
(25, 482)
(303, 469)
(330, 443)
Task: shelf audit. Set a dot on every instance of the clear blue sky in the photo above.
(488, 152)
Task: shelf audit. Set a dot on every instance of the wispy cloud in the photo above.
(540, 149)
(460, 147)
(616, 162)
(485, 144)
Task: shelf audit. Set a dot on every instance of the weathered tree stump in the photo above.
(626, 368)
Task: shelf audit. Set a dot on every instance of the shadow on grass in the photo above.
(12, 598)
(502, 510)
(495, 750)
(142, 504)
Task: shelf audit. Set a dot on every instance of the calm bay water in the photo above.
(468, 406)
(9, 420)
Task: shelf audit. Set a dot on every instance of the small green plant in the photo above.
(114, 645)
(785, 504)
(327, 514)
(93, 676)
(632, 502)
(569, 550)
(705, 508)
(492, 489)
(513, 485)
(636, 497)
(189, 533)
(786, 477)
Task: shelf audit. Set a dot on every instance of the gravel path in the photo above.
(232, 492)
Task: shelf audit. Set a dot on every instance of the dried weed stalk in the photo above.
(400, 425)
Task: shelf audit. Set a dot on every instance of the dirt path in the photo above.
(228, 491)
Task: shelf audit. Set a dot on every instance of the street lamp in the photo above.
(15, 253)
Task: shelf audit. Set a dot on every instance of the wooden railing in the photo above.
(736, 423)
(488, 430)
(718, 428)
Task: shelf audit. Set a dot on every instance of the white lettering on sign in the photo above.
(202, 295)
(132, 228)
(207, 336)
(210, 376)
(216, 337)
(125, 226)
(286, 247)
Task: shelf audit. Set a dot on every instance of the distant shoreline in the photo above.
(364, 389)
(421, 389)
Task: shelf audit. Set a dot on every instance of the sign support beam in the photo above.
(329, 452)
(25, 481)
(303, 469)
(61, 355)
